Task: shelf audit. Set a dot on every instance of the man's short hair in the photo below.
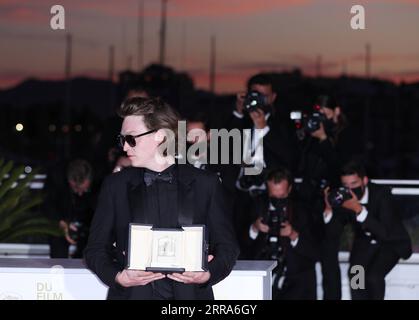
(157, 114)
(138, 91)
(280, 174)
(353, 167)
(79, 170)
(199, 117)
(262, 79)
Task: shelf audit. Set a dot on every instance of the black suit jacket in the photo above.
(201, 201)
(299, 259)
(279, 144)
(382, 222)
(60, 201)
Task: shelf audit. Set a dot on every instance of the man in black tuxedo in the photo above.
(281, 230)
(275, 131)
(323, 153)
(380, 239)
(279, 139)
(157, 191)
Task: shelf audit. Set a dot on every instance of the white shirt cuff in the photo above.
(238, 115)
(265, 131)
(253, 234)
(363, 215)
(328, 217)
(294, 242)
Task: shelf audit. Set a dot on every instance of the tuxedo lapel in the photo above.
(186, 195)
(372, 198)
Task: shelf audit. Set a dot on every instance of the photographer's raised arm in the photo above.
(301, 236)
(237, 119)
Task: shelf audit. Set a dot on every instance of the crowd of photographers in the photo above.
(301, 224)
(296, 224)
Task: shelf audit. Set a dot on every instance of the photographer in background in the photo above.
(256, 110)
(196, 126)
(380, 238)
(281, 230)
(72, 205)
(327, 142)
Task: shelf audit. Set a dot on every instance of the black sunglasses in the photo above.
(130, 139)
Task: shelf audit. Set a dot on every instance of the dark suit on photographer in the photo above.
(327, 142)
(256, 110)
(320, 165)
(227, 173)
(295, 276)
(66, 205)
(201, 159)
(277, 151)
(321, 159)
(279, 142)
(380, 239)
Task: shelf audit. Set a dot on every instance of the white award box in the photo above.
(167, 250)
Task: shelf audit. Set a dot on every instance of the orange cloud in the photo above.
(22, 14)
(11, 78)
(229, 8)
(398, 77)
(226, 81)
(191, 8)
(27, 11)
(364, 2)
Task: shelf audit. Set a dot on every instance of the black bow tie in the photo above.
(150, 177)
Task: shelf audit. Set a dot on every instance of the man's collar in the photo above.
(365, 197)
(170, 168)
(267, 116)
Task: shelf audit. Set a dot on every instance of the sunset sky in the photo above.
(252, 36)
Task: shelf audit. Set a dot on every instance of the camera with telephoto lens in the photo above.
(338, 196)
(255, 100)
(81, 233)
(277, 215)
(274, 220)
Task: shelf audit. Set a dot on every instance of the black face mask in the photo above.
(359, 192)
(278, 202)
